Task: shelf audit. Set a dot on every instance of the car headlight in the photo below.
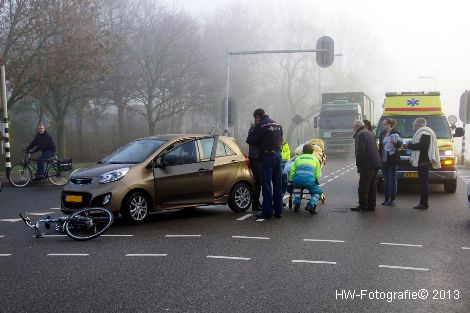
(112, 176)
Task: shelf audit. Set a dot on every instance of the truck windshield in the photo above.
(337, 119)
(405, 125)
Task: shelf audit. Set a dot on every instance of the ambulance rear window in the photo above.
(404, 125)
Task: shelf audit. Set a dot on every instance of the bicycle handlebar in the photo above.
(26, 219)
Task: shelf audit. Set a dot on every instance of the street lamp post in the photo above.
(430, 77)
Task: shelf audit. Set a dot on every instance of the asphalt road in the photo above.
(212, 260)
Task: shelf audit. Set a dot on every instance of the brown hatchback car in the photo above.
(164, 172)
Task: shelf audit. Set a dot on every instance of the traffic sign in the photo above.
(297, 119)
(464, 110)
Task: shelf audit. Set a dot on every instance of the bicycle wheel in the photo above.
(20, 175)
(58, 177)
(88, 223)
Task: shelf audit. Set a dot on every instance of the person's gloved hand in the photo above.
(290, 187)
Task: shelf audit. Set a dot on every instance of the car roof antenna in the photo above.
(211, 130)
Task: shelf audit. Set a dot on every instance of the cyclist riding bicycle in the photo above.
(42, 142)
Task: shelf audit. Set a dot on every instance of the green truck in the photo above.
(336, 117)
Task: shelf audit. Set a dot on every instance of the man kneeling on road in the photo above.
(305, 173)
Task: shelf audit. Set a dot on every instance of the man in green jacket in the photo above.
(305, 173)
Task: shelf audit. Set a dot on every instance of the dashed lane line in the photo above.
(1, 236)
(182, 236)
(329, 180)
(146, 254)
(67, 254)
(400, 244)
(405, 268)
(5, 254)
(260, 220)
(324, 240)
(245, 217)
(465, 248)
(228, 257)
(249, 237)
(11, 220)
(40, 213)
(313, 262)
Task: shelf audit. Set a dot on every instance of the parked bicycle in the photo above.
(82, 225)
(56, 171)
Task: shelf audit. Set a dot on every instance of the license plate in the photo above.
(410, 175)
(76, 199)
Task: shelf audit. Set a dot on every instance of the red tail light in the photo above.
(247, 161)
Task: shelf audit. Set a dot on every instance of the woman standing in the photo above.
(389, 141)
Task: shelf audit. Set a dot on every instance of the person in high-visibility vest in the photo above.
(305, 173)
(285, 152)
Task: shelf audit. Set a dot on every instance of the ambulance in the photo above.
(404, 108)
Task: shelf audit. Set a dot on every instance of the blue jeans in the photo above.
(389, 173)
(44, 156)
(311, 186)
(271, 177)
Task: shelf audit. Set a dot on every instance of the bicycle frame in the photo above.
(59, 221)
(27, 162)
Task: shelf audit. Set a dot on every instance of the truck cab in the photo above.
(404, 108)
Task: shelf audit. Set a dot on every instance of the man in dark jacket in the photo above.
(255, 166)
(42, 142)
(368, 164)
(267, 136)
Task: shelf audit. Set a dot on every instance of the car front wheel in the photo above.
(136, 208)
(240, 198)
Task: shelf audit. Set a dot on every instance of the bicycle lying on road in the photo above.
(82, 225)
(57, 171)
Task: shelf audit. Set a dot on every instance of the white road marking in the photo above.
(405, 268)
(244, 217)
(400, 244)
(326, 176)
(336, 177)
(1, 236)
(182, 236)
(260, 220)
(57, 209)
(313, 262)
(40, 214)
(146, 254)
(323, 240)
(3, 254)
(329, 180)
(67, 254)
(227, 257)
(11, 220)
(248, 237)
(117, 235)
(322, 184)
(54, 236)
(465, 248)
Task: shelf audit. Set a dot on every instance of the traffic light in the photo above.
(325, 58)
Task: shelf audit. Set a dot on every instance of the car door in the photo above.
(184, 175)
(226, 167)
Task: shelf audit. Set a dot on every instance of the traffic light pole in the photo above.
(6, 136)
(233, 53)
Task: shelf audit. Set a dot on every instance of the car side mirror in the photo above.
(159, 162)
(459, 132)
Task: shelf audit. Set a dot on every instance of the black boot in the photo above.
(392, 201)
(386, 200)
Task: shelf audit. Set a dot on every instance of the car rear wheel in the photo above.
(136, 208)
(240, 198)
(451, 187)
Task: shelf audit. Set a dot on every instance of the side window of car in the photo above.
(220, 152)
(228, 150)
(184, 154)
(205, 148)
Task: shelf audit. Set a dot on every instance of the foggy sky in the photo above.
(416, 37)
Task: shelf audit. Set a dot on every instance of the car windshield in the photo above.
(338, 119)
(404, 125)
(134, 152)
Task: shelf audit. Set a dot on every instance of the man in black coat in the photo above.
(368, 163)
(267, 136)
(42, 142)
